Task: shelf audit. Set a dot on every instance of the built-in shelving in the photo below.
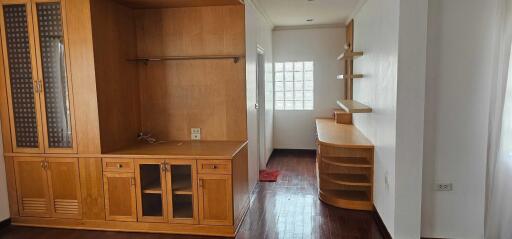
(351, 195)
(348, 162)
(153, 188)
(348, 77)
(352, 106)
(236, 58)
(348, 55)
(348, 179)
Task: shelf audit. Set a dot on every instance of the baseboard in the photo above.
(5, 223)
(380, 224)
(292, 150)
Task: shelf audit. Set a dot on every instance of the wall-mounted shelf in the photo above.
(352, 106)
(347, 55)
(348, 77)
(145, 60)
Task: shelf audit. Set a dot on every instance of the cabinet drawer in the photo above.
(214, 166)
(117, 165)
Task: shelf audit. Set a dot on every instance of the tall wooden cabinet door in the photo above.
(151, 190)
(64, 185)
(21, 78)
(215, 200)
(120, 197)
(182, 191)
(53, 70)
(32, 187)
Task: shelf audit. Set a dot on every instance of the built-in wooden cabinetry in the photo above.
(81, 80)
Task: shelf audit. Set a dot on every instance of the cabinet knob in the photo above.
(119, 165)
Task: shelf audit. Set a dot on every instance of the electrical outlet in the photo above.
(195, 133)
(443, 187)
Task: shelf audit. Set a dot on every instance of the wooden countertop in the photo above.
(182, 149)
(340, 135)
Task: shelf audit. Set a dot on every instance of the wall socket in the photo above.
(195, 133)
(443, 187)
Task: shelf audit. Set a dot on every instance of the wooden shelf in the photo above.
(152, 188)
(348, 77)
(347, 55)
(348, 162)
(182, 186)
(352, 106)
(352, 195)
(236, 58)
(348, 179)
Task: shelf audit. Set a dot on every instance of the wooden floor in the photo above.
(287, 209)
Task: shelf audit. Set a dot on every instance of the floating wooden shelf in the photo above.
(235, 58)
(348, 162)
(347, 55)
(348, 77)
(352, 199)
(348, 179)
(352, 106)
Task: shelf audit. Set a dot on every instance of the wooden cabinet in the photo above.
(48, 187)
(37, 76)
(151, 190)
(215, 199)
(182, 191)
(120, 196)
(32, 187)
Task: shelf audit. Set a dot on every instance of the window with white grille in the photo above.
(293, 85)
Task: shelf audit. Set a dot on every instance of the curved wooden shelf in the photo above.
(348, 77)
(348, 162)
(348, 55)
(348, 179)
(340, 135)
(352, 199)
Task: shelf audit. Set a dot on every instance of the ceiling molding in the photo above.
(261, 11)
(356, 11)
(302, 27)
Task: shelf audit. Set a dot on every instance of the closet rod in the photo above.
(236, 59)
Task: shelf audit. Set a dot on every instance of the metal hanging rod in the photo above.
(236, 59)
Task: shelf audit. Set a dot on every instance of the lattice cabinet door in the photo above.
(53, 71)
(21, 75)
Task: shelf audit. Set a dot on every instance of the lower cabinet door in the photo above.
(215, 200)
(120, 197)
(32, 187)
(64, 187)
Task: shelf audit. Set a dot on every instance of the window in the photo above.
(293, 85)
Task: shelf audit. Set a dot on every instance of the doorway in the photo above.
(260, 107)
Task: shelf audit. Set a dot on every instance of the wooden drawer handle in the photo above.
(212, 166)
(119, 165)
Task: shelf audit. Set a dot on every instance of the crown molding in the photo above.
(261, 11)
(358, 7)
(302, 27)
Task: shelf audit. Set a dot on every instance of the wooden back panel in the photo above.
(206, 94)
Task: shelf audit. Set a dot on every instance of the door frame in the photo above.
(261, 107)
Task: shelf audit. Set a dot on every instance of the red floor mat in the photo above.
(269, 175)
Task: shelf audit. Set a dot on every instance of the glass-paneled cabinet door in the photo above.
(21, 75)
(53, 71)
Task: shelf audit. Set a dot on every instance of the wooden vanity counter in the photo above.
(181, 149)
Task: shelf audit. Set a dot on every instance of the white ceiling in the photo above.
(286, 13)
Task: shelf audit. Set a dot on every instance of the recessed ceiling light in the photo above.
(310, 20)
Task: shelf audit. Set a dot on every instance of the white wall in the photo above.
(258, 32)
(376, 33)
(460, 64)
(4, 203)
(392, 35)
(296, 129)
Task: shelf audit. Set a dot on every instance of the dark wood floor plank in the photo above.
(286, 209)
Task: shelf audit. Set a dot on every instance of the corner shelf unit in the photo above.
(348, 77)
(345, 166)
(352, 106)
(349, 55)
